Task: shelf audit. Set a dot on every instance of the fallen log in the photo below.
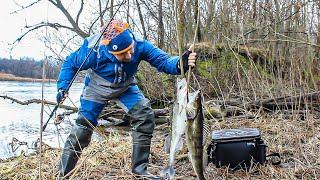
(112, 114)
(288, 102)
(299, 102)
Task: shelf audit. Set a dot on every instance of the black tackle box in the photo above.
(237, 148)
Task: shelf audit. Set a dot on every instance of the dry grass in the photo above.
(297, 141)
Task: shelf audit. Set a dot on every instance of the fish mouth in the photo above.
(191, 114)
(168, 172)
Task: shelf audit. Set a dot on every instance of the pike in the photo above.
(195, 134)
(178, 126)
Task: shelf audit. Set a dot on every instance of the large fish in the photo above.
(178, 126)
(195, 134)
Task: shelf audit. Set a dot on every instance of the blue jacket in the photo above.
(108, 67)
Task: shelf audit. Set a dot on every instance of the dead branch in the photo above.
(24, 7)
(38, 101)
(73, 23)
(231, 108)
(119, 113)
(79, 12)
(56, 26)
(58, 4)
(109, 113)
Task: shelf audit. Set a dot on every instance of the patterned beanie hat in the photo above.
(117, 37)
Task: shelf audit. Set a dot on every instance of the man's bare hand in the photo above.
(192, 57)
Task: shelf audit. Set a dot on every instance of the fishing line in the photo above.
(195, 78)
(194, 41)
(93, 127)
(79, 69)
(192, 49)
(59, 137)
(58, 104)
(72, 102)
(104, 29)
(47, 113)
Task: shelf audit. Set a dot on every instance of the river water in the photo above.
(20, 124)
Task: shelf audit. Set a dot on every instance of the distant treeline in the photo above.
(28, 67)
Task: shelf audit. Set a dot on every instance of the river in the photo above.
(20, 124)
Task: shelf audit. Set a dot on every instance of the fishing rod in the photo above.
(88, 55)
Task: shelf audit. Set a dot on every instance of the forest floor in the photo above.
(11, 77)
(298, 142)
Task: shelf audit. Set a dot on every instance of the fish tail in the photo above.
(168, 172)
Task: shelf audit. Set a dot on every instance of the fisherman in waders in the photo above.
(110, 76)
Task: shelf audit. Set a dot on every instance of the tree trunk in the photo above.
(128, 11)
(100, 13)
(318, 34)
(254, 10)
(160, 26)
(181, 23)
(196, 19)
(111, 8)
(208, 21)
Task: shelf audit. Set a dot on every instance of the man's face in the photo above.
(126, 56)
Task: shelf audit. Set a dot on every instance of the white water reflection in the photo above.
(22, 122)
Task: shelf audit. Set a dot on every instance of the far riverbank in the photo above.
(11, 77)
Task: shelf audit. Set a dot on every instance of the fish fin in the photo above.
(179, 146)
(192, 97)
(167, 144)
(205, 159)
(168, 172)
(190, 156)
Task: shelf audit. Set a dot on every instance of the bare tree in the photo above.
(181, 22)
(160, 26)
(141, 19)
(284, 34)
(196, 13)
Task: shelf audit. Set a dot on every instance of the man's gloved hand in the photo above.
(185, 57)
(189, 59)
(61, 95)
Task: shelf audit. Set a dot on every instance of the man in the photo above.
(111, 68)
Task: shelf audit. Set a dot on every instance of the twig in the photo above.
(74, 171)
(181, 157)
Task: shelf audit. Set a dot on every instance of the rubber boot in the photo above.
(79, 138)
(140, 160)
(142, 128)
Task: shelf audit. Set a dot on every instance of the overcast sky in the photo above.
(12, 24)
(12, 27)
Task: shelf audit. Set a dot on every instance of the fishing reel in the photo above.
(59, 118)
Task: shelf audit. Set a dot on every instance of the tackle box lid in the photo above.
(235, 134)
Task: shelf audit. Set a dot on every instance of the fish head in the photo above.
(193, 104)
(182, 90)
